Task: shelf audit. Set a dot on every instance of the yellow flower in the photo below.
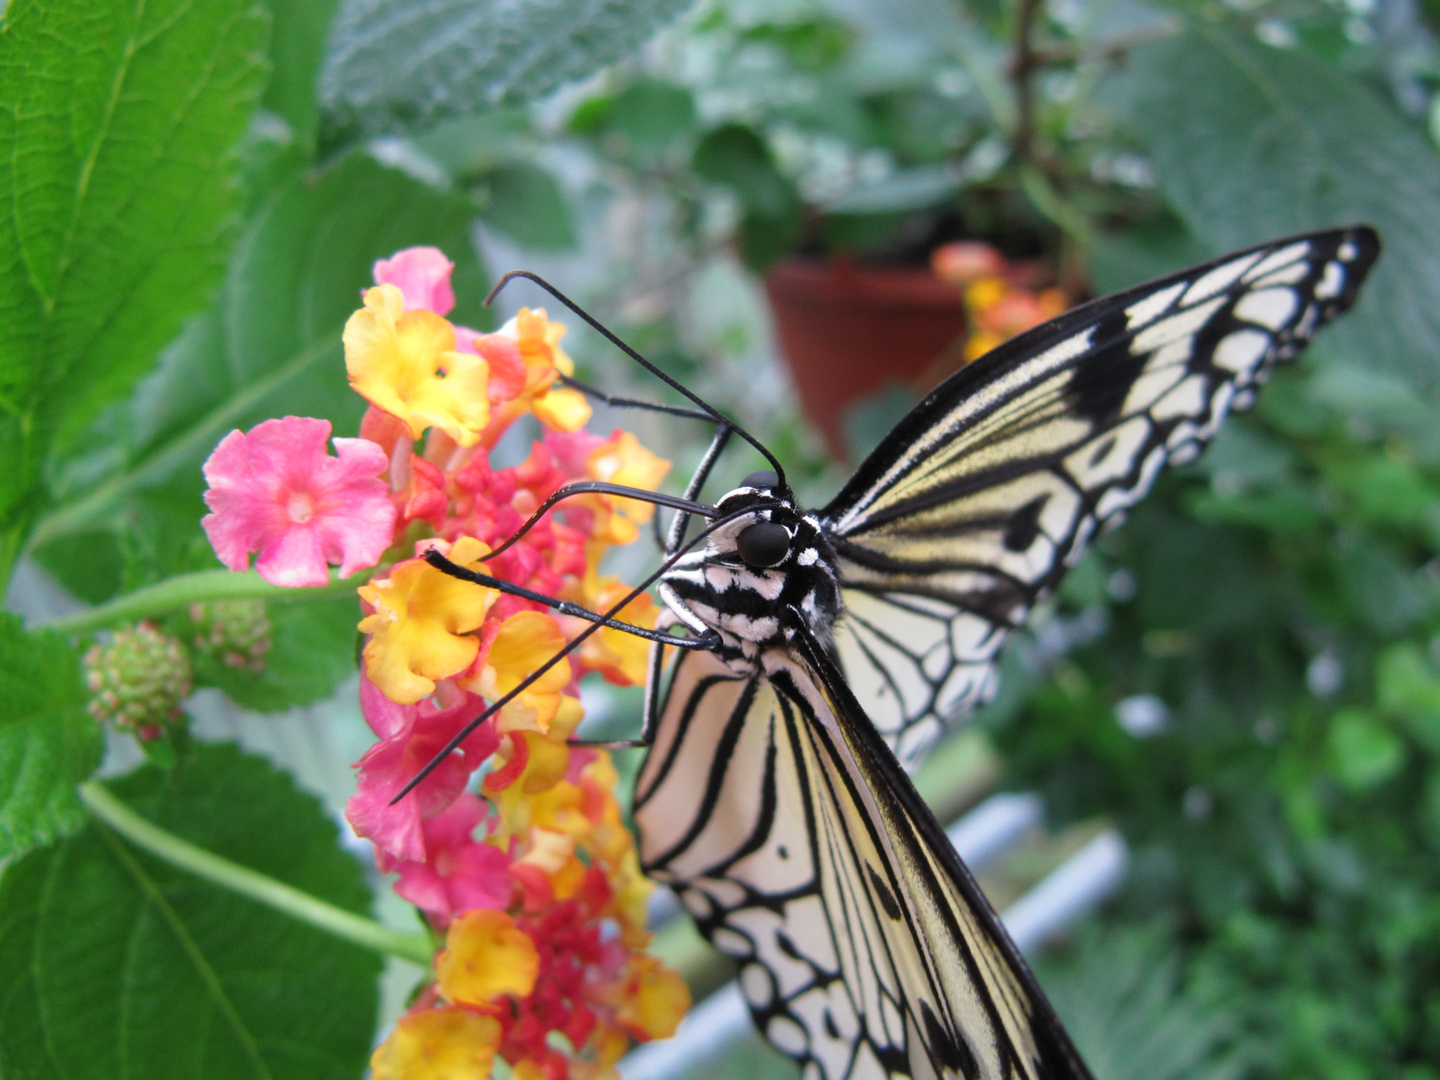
(619, 656)
(622, 460)
(563, 409)
(438, 1044)
(486, 955)
(981, 342)
(525, 641)
(422, 623)
(405, 363)
(657, 1000)
(984, 293)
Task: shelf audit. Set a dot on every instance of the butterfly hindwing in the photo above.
(866, 950)
(972, 509)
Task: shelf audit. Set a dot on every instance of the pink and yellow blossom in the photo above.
(514, 845)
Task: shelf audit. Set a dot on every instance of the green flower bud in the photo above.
(234, 632)
(138, 680)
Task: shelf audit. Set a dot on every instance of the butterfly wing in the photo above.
(971, 510)
(799, 845)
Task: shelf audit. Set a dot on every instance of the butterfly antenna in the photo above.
(646, 364)
(592, 487)
(578, 640)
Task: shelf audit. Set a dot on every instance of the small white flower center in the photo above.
(300, 506)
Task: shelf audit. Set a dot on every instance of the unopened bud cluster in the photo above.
(235, 632)
(138, 680)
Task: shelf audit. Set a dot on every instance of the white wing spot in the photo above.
(1241, 351)
(1175, 327)
(1184, 453)
(1288, 275)
(1331, 282)
(1187, 399)
(759, 988)
(786, 1036)
(1276, 259)
(1217, 279)
(1270, 308)
(1109, 456)
(1348, 250)
(1143, 312)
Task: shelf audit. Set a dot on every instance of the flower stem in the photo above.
(166, 596)
(275, 894)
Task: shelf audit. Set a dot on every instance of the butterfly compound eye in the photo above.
(763, 544)
(765, 478)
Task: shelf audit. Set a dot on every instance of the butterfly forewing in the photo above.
(972, 509)
(866, 950)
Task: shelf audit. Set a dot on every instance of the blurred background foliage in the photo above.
(1256, 698)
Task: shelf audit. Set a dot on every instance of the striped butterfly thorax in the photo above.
(775, 797)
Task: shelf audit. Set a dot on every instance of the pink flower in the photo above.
(461, 873)
(423, 275)
(410, 735)
(277, 492)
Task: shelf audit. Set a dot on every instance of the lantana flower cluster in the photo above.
(513, 847)
(1000, 299)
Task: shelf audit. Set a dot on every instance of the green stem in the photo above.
(1049, 202)
(274, 894)
(178, 592)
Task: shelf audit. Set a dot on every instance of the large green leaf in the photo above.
(401, 67)
(116, 965)
(1251, 142)
(297, 48)
(118, 124)
(271, 344)
(48, 742)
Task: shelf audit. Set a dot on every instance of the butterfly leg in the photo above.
(702, 473)
(655, 672)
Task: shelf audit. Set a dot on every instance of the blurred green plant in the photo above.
(198, 190)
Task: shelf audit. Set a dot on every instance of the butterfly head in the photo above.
(769, 560)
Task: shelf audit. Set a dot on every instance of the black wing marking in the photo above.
(972, 509)
(802, 850)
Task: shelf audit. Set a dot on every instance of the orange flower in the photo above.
(522, 644)
(421, 624)
(405, 363)
(438, 1044)
(619, 656)
(656, 999)
(486, 955)
(563, 409)
(621, 459)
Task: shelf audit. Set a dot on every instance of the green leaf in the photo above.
(48, 741)
(735, 157)
(1120, 995)
(114, 964)
(271, 344)
(118, 127)
(312, 650)
(297, 48)
(648, 118)
(1363, 751)
(401, 67)
(1251, 142)
(1407, 688)
(524, 202)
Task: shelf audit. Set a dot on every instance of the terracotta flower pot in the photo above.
(847, 330)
